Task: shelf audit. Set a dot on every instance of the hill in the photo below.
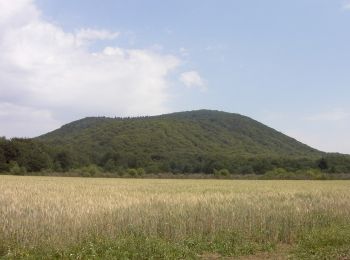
(200, 141)
(195, 141)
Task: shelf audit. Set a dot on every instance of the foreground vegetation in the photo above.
(75, 218)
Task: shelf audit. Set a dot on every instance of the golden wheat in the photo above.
(37, 211)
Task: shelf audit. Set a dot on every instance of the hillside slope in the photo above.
(190, 140)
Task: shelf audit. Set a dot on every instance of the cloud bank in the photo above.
(48, 76)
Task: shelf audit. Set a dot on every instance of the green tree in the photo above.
(15, 169)
(110, 166)
(3, 164)
(64, 161)
(323, 164)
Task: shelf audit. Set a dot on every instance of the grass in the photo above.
(81, 218)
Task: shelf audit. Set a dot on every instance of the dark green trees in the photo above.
(3, 166)
(322, 164)
(63, 161)
(26, 154)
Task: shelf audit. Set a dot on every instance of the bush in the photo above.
(278, 173)
(221, 173)
(282, 174)
(15, 169)
(141, 172)
(315, 174)
(121, 172)
(132, 172)
(89, 171)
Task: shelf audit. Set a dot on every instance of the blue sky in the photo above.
(284, 63)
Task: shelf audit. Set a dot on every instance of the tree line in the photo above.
(25, 156)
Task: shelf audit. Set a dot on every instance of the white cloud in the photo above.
(47, 72)
(17, 12)
(17, 118)
(87, 35)
(193, 79)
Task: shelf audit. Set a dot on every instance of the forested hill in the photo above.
(195, 141)
(187, 142)
(196, 132)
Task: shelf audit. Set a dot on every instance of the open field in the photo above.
(77, 218)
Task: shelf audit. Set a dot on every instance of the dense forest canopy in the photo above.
(201, 141)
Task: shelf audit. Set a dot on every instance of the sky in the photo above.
(283, 63)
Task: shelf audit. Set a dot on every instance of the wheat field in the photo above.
(80, 218)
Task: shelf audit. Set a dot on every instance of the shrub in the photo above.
(132, 172)
(221, 173)
(89, 171)
(15, 169)
(278, 173)
(121, 172)
(315, 174)
(282, 174)
(141, 172)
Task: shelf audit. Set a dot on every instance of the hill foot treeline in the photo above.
(25, 156)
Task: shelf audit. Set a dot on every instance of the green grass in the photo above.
(139, 246)
(331, 242)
